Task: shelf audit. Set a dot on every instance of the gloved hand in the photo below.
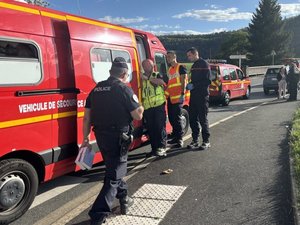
(181, 99)
(190, 86)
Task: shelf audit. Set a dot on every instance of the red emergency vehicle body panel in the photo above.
(49, 122)
(20, 127)
(101, 36)
(17, 18)
(236, 87)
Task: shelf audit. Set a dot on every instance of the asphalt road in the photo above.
(243, 178)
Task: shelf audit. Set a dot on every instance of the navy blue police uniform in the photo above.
(111, 102)
(199, 99)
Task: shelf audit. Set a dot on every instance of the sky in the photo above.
(173, 17)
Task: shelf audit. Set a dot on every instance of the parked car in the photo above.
(228, 82)
(270, 80)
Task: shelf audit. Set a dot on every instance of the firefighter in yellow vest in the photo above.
(153, 98)
(174, 92)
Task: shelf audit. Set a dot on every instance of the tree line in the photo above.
(268, 39)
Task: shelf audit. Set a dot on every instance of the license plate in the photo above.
(274, 78)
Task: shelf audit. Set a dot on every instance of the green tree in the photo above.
(236, 43)
(267, 34)
(38, 2)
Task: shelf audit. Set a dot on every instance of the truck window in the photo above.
(233, 74)
(226, 74)
(215, 72)
(101, 60)
(141, 48)
(240, 74)
(19, 63)
(161, 65)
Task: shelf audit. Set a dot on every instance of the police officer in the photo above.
(293, 79)
(154, 103)
(110, 108)
(198, 108)
(175, 93)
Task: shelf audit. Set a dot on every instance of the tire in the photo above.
(247, 94)
(266, 91)
(21, 180)
(226, 99)
(185, 120)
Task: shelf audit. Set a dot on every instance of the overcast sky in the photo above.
(173, 17)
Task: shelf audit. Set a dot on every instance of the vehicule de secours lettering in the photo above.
(41, 106)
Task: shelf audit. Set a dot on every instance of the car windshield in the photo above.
(214, 72)
(272, 71)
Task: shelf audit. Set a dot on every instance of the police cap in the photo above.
(119, 62)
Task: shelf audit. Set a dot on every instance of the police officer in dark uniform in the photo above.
(110, 108)
(199, 99)
(293, 80)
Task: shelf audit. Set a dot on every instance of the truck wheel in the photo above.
(185, 120)
(247, 94)
(18, 187)
(226, 99)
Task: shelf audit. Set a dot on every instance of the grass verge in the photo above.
(295, 152)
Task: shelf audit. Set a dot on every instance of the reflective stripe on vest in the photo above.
(173, 90)
(152, 96)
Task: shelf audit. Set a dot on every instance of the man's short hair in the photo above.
(193, 50)
(171, 52)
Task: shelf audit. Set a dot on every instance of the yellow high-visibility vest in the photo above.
(152, 95)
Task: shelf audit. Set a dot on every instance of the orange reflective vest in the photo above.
(173, 90)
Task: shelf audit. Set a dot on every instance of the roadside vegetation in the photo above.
(295, 151)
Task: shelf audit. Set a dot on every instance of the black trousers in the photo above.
(156, 126)
(198, 110)
(174, 114)
(293, 90)
(116, 169)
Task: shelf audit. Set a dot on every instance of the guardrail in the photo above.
(259, 70)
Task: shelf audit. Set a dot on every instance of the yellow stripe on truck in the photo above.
(36, 119)
(64, 115)
(19, 8)
(53, 15)
(13, 123)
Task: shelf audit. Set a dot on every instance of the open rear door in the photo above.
(94, 46)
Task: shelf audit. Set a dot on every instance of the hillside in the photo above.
(210, 44)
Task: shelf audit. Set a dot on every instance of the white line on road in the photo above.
(65, 183)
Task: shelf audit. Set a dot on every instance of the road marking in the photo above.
(151, 202)
(63, 184)
(227, 118)
(74, 208)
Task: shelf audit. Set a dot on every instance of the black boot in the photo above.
(98, 222)
(125, 204)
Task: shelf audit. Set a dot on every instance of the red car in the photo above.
(228, 82)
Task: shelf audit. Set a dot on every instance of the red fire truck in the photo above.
(49, 61)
